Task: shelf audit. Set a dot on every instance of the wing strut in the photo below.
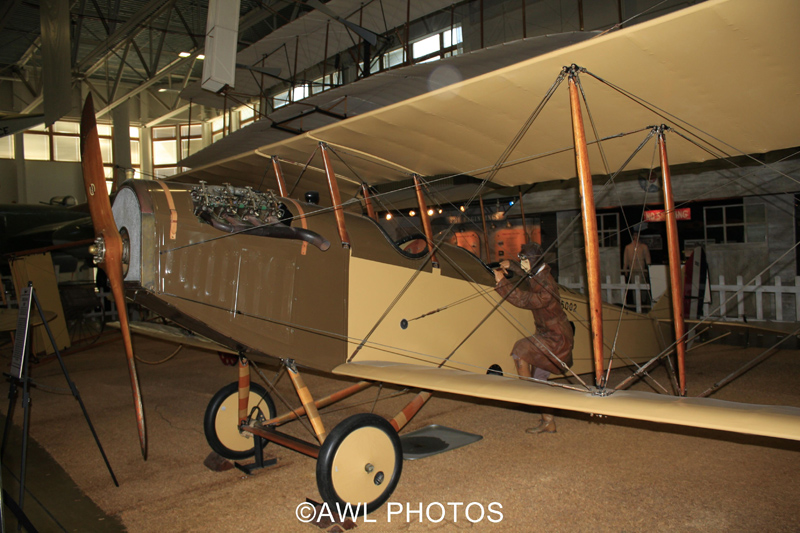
(485, 233)
(426, 220)
(589, 227)
(276, 164)
(368, 201)
(333, 188)
(675, 278)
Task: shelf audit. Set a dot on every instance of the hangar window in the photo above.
(218, 128)
(299, 92)
(281, 99)
(725, 224)
(165, 151)
(36, 146)
(329, 81)
(247, 114)
(191, 139)
(7, 147)
(136, 154)
(608, 229)
(394, 58)
(426, 47)
(437, 46)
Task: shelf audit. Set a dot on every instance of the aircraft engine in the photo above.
(243, 210)
(226, 207)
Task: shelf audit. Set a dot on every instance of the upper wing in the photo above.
(465, 127)
(767, 420)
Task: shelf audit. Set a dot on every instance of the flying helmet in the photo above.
(532, 252)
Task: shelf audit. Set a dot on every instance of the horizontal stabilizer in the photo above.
(173, 334)
(766, 420)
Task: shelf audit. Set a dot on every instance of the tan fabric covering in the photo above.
(741, 89)
(766, 420)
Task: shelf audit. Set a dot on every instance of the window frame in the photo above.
(725, 226)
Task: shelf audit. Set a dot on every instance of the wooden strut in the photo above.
(282, 439)
(333, 188)
(522, 209)
(319, 404)
(426, 220)
(307, 400)
(408, 412)
(589, 230)
(485, 233)
(244, 390)
(276, 165)
(675, 278)
(368, 200)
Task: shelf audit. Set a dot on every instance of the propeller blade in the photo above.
(362, 32)
(105, 230)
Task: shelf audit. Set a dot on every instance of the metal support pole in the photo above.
(426, 221)
(276, 165)
(524, 22)
(307, 400)
(589, 229)
(675, 277)
(333, 188)
(481, 10)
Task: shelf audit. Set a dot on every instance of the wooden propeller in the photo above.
(108, 247)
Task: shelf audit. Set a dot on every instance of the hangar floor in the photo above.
(607, 475)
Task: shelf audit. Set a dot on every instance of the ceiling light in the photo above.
(388, 216)
(430, 212)
(201, 57)
(412, 213)
(184, 54)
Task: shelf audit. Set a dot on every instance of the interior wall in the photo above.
(45, 179)
(8, 181)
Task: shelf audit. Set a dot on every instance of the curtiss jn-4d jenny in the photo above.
(319, 286)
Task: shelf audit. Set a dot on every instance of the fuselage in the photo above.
(287, 298)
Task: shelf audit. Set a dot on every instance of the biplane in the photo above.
(323, 286)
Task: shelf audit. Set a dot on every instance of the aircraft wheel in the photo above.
(221, 422)
(360, 462)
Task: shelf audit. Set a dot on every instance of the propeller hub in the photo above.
(98, 250)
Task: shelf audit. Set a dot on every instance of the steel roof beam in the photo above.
(157, 58)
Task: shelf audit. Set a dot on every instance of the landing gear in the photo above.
(221, 421)
(360, 462)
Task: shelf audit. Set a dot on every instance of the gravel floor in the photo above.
(594, 474)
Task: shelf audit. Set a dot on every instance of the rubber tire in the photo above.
(210, 419)
(349, 435)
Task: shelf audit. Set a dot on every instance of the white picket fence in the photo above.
(615, 292)
(737, 302)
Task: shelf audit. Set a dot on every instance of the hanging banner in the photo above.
(657, 215)
(54, 21)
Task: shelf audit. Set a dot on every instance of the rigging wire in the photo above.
(409, 354)
(747, 366)
(689, 126)
(502, 163)
(704, 320)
